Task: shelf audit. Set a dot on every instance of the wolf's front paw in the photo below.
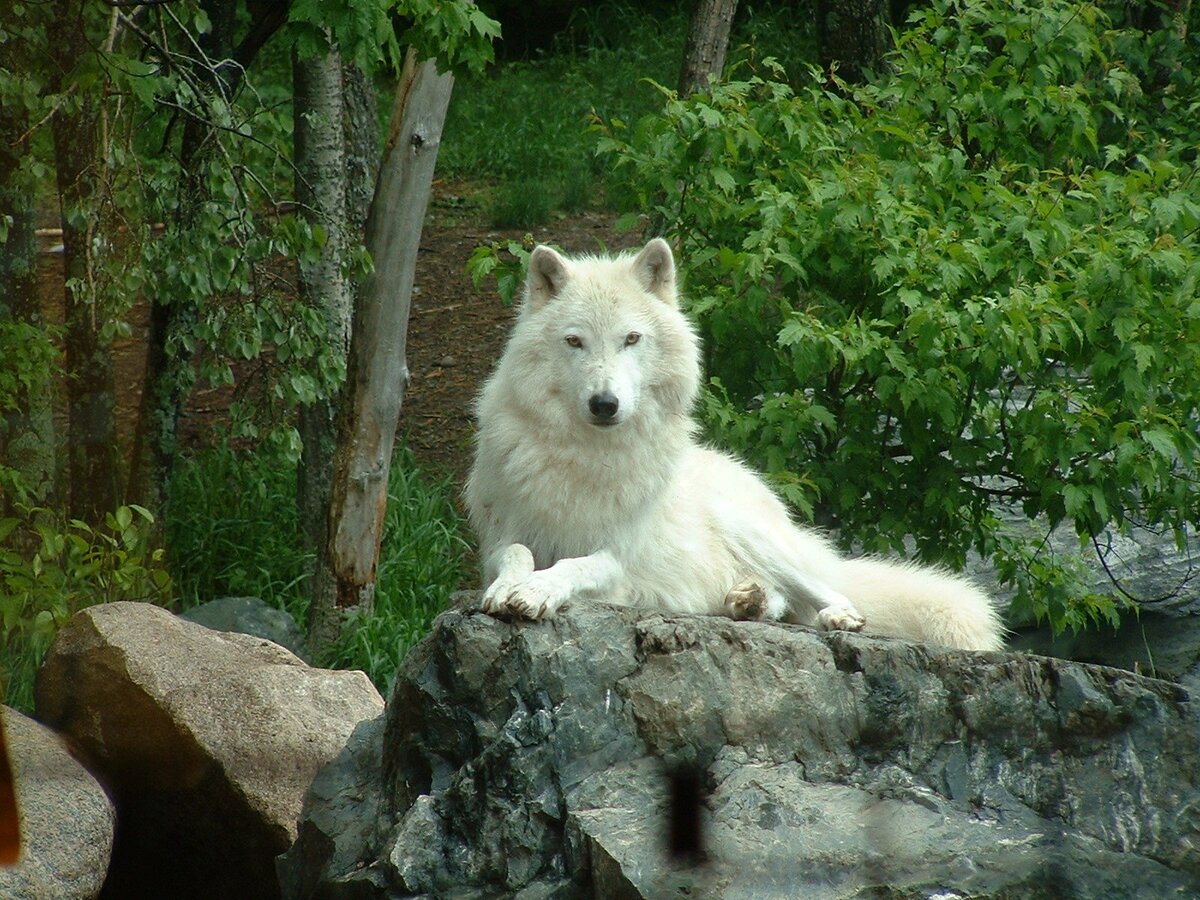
(841, 618)
(536, 597)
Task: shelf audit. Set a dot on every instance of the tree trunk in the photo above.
(853, 35)
(321, 191)
(362, 145)
(707, 42)
(93, 456)
(377, 372)
(26, 419)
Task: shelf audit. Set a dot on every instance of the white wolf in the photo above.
(589, 483)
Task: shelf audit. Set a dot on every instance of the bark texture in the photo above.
(377, 371)
(707, 43)
(321, 192)
(93, 457)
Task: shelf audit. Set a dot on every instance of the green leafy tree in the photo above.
(972, 281)
(163, 130)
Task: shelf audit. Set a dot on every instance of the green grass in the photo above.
(421, 563)
(232, 530)
(522, 128)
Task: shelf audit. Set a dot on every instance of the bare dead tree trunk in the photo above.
(321, 191)
(853, 35)
(93, 455)
(377, 372)
(707, 43)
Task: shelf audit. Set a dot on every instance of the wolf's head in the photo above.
(609, 335)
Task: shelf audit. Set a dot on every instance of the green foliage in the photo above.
(232, 529)
(505, 261)
(421, 562)
(49, 570)
(455, 32)
(253, 548)
(973, 280)
(28, 359)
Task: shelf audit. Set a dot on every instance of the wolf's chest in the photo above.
(571, 504)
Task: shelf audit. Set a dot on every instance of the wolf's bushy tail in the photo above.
(921, 603)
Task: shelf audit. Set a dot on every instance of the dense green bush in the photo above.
(972, 280)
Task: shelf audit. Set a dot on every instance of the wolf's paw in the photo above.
(841, 618)
(536, 597)
(746, 601)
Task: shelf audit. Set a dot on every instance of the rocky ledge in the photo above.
(560, 759)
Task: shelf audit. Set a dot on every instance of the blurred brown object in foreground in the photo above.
(10, 833)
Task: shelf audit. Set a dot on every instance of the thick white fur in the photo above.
(574, 501)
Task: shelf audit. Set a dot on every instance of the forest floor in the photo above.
(455, 335)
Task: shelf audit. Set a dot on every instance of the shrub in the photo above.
(972, 281)
(50, 570)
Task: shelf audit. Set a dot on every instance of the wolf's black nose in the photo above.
(603, 406)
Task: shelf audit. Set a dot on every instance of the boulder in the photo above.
(546, 759)
(1144, 571)
(341, 812)
(249, 615)
(66, 818)
(208, 741)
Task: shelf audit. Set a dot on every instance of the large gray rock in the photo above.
(249, 615)
(532, 760)
(1155, 583)
(66, 818)
(208, 741)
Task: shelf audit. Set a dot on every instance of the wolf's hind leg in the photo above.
(749, 601)
(746, 601)
(795, 562)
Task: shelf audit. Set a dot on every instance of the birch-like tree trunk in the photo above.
(361, 126)
(321, 178)
(707, 43)
(377, 373)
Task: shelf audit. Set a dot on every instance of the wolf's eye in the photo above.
(632, 338)
(573, 340)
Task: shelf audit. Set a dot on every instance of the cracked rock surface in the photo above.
(534, 760)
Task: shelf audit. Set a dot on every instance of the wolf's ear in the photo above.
(654, 267)
(548, 272)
